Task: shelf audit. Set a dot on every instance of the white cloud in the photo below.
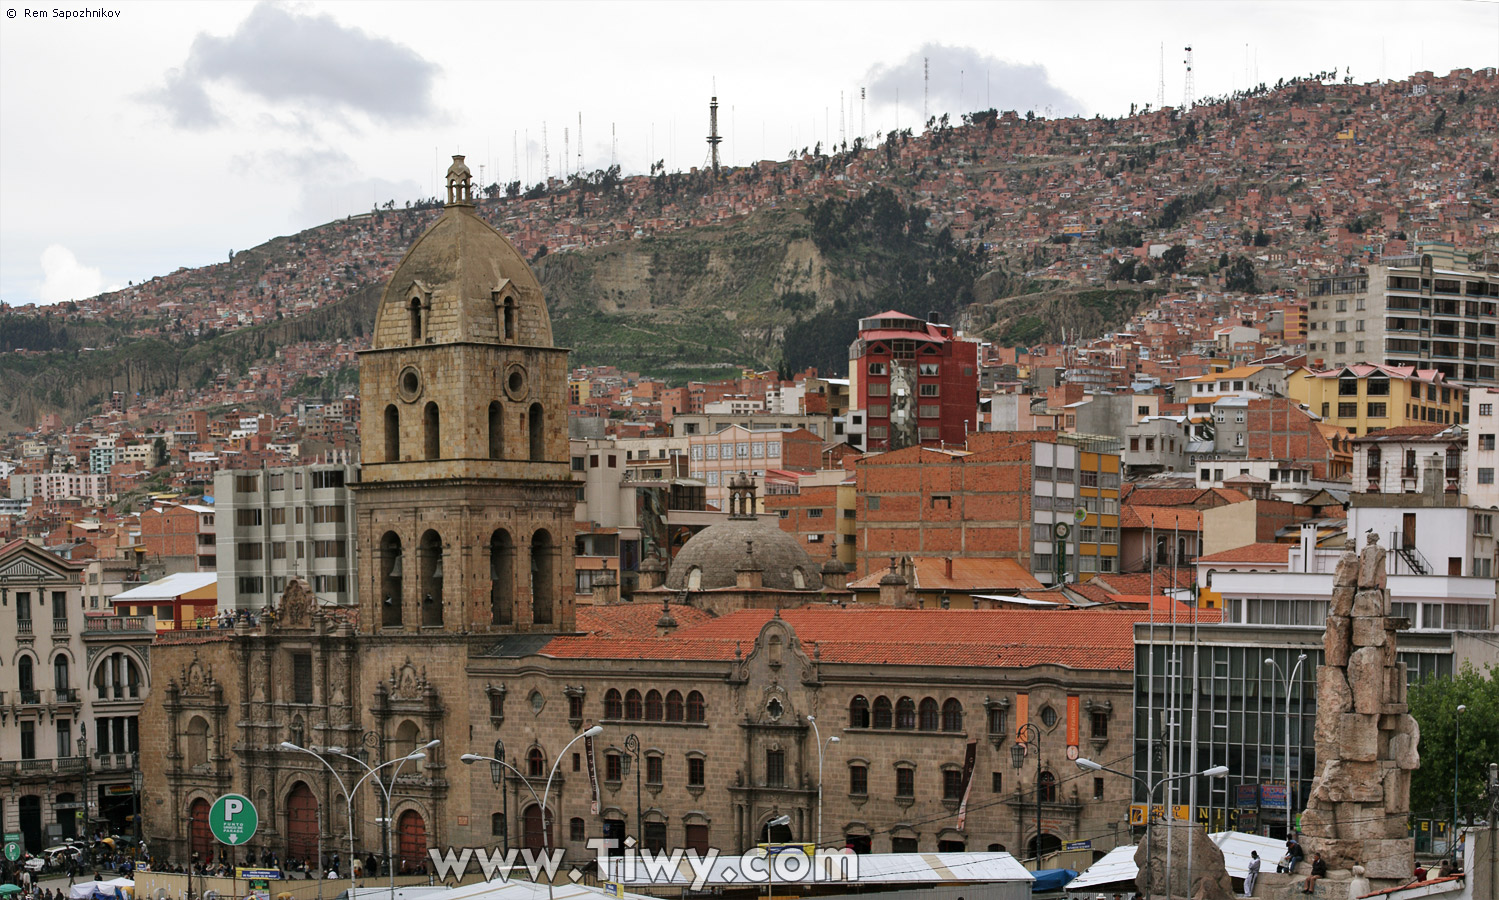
(65, 278)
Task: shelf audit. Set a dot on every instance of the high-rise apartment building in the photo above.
(278, 522)
(910, 382)
(1432, 309)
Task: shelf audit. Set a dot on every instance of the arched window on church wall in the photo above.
(392, 434)
(432, 431)
(502, 578)
(543, 577)
(496, 430)
(536, 421)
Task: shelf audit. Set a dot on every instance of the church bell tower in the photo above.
(465, 501)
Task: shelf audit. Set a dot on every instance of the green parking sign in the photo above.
(233, 819)
(12, 851)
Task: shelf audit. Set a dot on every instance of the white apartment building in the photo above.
(71, 688)
(275, 523)
(1483, 458)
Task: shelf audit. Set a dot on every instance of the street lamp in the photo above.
(632, 747)
(1457, 756)
(770, 860)
(1024, 735)
(1091, 766)
(138, 784)
(1290, 791)
(471, 758)
(497, 766)
(369, 771)
(832, 739)
(83, 754)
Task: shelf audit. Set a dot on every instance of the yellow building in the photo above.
(1365, 397)
(579, 390)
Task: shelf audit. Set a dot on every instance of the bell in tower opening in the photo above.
(465, 503)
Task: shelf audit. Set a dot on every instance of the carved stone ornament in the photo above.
(197, 680)
(296, 605)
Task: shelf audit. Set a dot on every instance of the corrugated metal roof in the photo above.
(168, 588)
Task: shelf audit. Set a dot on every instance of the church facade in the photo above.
(719, 691)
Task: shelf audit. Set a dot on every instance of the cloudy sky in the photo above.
(177, 131)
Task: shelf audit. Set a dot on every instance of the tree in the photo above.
(1261, 239)
(1433, 703)
(1240, 276)
(1174, 258)
(1440, 121)
(158, 453)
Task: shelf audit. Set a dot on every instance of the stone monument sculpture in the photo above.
(1366, 739)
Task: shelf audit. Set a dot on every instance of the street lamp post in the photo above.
(471, 758)
(770, 860)
(1026, 734)
(632, 747)
(83, 754)
(497, 768)
(1091, 766)
(1457, 758)
(137, 784)
(1290, 791)
(821, 746)
(349, 796)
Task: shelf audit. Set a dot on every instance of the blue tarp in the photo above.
(1052, 880)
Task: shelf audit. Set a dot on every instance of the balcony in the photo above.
(30, 698)
(59, 626)
(107, 626)
(114, 762)
(67, 695)
(23, 627)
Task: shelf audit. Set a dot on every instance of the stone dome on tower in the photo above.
(462, 281)
(713, 558)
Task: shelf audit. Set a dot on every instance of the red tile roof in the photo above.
(1080, 639)
(1141, 582)
(968, 574)
(1140, 516)
(1251, 553)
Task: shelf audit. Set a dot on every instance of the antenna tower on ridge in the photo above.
(567, 152)
(1160, 88)
(926, 88)
(842, 132)
(546, 156)
(713, 138)
(515, 155)
(862, 132)
(580, 142)
(613, 146)
(1187, 97)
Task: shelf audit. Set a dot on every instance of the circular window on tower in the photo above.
(515, 382)
(409, 384)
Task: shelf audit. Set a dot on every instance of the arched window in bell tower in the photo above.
(431, 431)
(496, 430)
(502, 578)
(390, 579)
(392, 434)
(543, 573)
(430, 554)
(508, 315)
(414, 310)
(536, 419)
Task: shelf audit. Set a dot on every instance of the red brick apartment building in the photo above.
(912, 382)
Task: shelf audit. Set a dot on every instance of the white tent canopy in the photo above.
(86, 889)
(1118, 865)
